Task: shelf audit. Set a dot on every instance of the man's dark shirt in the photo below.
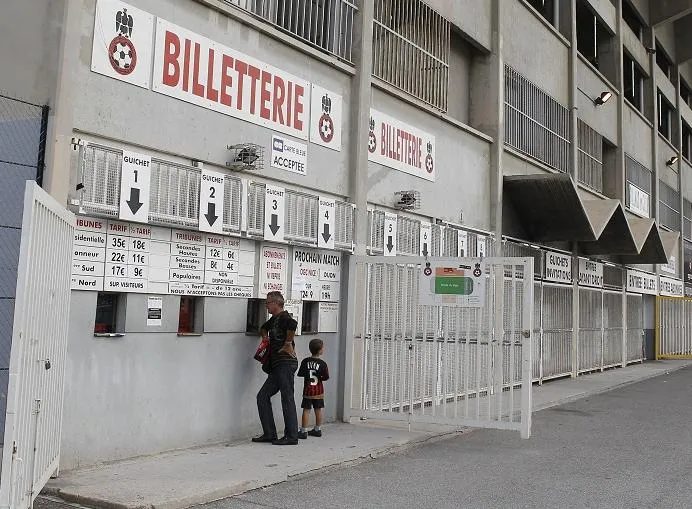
(277, 328)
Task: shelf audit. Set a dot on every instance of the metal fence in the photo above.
(462, 366)
(411, 49)
(635, 329)
(673, 328)
(535, 123)
(590, 163)
(327, 24)
(22, 146)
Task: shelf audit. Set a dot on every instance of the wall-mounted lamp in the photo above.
(650, 51)
(603, 98)
(672, 161)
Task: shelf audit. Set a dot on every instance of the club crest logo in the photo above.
(121, 51)
(372, 139)
(429, 162)
(477, 272)
(326, 124)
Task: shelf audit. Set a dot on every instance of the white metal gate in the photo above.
(31, 450)
(635, 328)
(461, 366)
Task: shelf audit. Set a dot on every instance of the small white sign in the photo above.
(642, 282)
(295, 309)
(462, 243)
(425, 239)
(590, 273)
(671, 287)
(211, 192)
(154, 311)
(558, 267)
(325, 118)
(122, 46)
(389, 239)
(274, 213)
(325, 221)
(639, 201)
(461, 284)
(481, 246)
(289, 155)
(273, 270)
(328, 317)
(135, 179)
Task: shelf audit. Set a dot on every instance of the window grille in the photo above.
(408, 236)
(638, 176)
(174, 194)
(535, 123)
(343, 222)
(687, 218)
(324, 24)
(301, 217)
(255, 213)
(669, 207)
(232, 207)
(590, 170)
(411, 49)
(435, 240)
(450, 242)
(376, 222)
(100, 175)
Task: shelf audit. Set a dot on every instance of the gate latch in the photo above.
(526, 334)
(46, 363)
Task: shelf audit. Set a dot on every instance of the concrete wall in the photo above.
(637, 136)
(686, 179)
(538, 53)
(601, 118)
(666, 36)
(150, 392)
(472, 17)
(460, 62)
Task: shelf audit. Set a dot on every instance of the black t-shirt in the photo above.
(277, 328)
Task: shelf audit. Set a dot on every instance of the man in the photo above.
(283, 363)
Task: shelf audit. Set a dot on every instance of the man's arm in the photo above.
(288, 344)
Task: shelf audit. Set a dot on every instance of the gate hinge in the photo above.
(526, 334)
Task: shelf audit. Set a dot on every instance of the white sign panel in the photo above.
(127, 257)
(590, 273)
(671, 267)
(289, 155)
(154, 311)
(670, 287)
(425, 239)
(122, 46)
(197, 70)
(295, 309)
(558, 267)
(316, 275)
(211, 192)
(325, 222)
(135, 179)
(397, 145)
(462, 244)
(481, 246)
(642, 282)
(273, 270)
(639, 201)
(389, 240)
(461, 284)
(328, 317)
(274, 213)
(326, 117)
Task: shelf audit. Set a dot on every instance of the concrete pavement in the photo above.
(183, 478)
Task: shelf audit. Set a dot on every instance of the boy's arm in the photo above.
(325, 372)
(302, 371)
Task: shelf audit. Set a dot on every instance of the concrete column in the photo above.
(650, 40)
(679, 263)
(574, 159)
(498, 147)
(620, 170)
(56, 177)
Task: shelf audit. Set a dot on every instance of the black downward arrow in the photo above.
(134, 202)
(425, 249)
(273, 224)
(325, 234)
(211, 214)
(389, 243)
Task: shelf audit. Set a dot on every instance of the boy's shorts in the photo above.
(312, 403)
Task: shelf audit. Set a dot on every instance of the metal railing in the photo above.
(411, 49)
(673, 327)
(535, 123)
(669, 207)
(590, 161)
(640, 177)
(324, 24)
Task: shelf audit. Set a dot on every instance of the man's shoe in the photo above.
(315, 432)
(285, 441)
(263, 438)
(303, 434)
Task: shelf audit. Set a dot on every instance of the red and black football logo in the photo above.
(121, 51)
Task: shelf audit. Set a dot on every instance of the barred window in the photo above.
(639, 184)
(669, 207)
(590, 170)
(535, 123)
(411, 49)
(687, 218)
(325, 24)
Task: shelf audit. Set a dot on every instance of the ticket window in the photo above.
(110, 309)
(190, 316)
(310, 317)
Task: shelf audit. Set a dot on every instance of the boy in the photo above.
(314, 371)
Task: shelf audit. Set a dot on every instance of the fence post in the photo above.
(657, 328)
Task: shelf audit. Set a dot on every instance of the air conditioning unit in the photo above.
(246, 157)
(407, 200)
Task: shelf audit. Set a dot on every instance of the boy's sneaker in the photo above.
(303, 434)
(315, 432)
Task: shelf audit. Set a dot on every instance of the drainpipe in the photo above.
(574, 159)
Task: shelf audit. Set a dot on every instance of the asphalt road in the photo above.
(628, 448)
